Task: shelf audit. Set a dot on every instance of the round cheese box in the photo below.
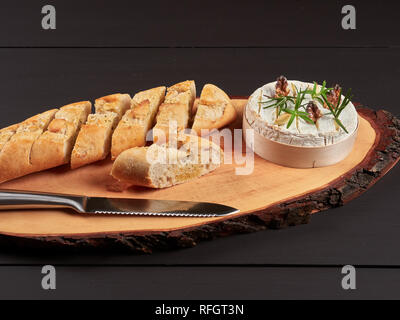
(299, 124)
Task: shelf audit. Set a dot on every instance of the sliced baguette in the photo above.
(132, 129)
(214, 110)
(171, 118)
(15, 155)
(54, 147)
(117, 103)
(167, 164)
(94, 139)
(182, 92)
(6, 134)
(176, 110)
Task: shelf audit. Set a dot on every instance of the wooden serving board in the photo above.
(271, 197)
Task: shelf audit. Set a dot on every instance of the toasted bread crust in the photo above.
(76, 113)
(211, 93)
(172, 116)
(214, 110)
(132, 129)
(120, 124)
(176, 109)
(94, 140)
(15, 156)
(53, 148)
(181, 87)
(6, 134)
(182, 92)
(155, 96)
(133, 167)
(117, 103)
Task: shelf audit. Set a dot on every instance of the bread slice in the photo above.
(54, 147)
(15, 154)
(117, 103)
(182, 92)
(6, 134)
(214, 110)
(94, 139)
(167, 164)
(176, 109)
(171, 117)
(155, 96)
(132, 129)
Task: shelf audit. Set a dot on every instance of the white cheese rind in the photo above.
(300, 133)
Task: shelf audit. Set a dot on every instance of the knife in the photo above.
(13, 199)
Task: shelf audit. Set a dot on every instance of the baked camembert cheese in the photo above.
(301, 114)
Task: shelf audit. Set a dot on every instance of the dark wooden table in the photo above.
(102, 47)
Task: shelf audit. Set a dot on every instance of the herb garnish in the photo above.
(299, 107)
(322, 92)
(341, 104)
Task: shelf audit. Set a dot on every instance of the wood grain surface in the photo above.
(239, 46)
(270, 186)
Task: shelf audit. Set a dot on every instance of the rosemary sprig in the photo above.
(317, 95)
(296, 113)
(281, 103)
(337, 109)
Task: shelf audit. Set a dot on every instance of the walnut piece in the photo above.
(333, 96)
(313, 111)
(281, 87)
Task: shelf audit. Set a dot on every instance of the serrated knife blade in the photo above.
(13, 199)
